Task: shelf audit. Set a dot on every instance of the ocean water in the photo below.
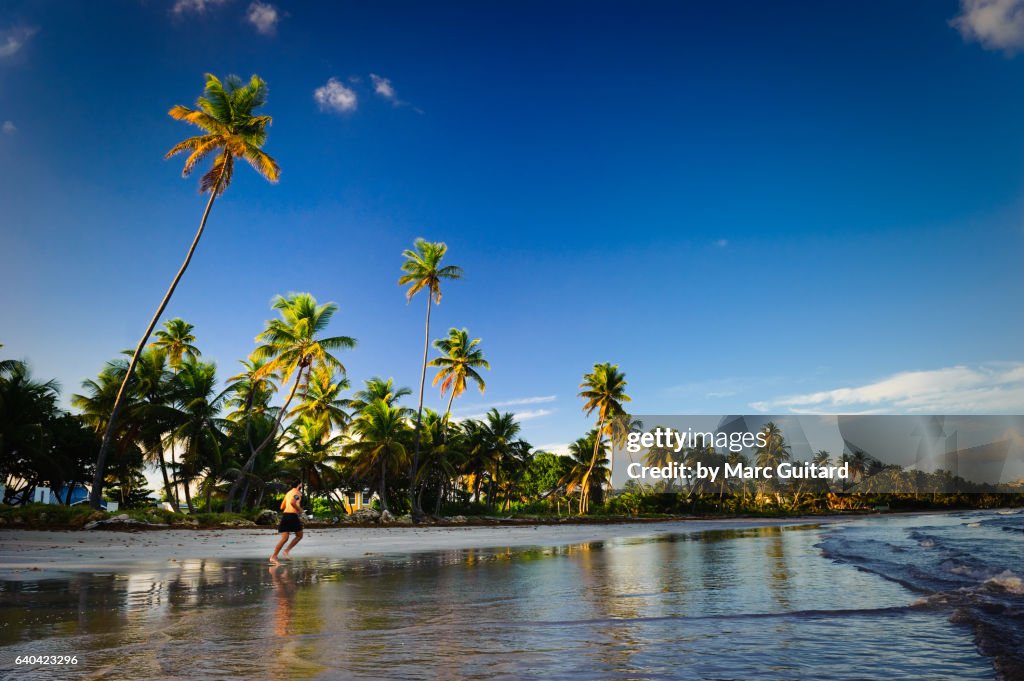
(899, 597)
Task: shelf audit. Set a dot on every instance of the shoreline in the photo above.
(45, 554)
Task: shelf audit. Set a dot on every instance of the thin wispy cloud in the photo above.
(560, 448)
(264, 17)
(995, 24)
(520, 415)
(195, 6)
(720, 243)
(518, 402)
(996, 388)
(336, 97)
(8, 128)
(12, 40)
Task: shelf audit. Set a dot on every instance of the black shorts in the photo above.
(290, 523)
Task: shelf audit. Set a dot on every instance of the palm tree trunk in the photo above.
(417, 514)
(174, 487)
(96, 495)
(163, 471)
(383, 486)
(188, 497)
(585, 489)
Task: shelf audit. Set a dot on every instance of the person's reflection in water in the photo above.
(284, 596)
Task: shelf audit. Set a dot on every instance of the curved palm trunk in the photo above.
(585, 489)
(417, 513)
(96, 495)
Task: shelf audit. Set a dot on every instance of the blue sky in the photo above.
(784, 207)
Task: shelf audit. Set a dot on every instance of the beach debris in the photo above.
(267, 517)
(363, 515)
(121, 522)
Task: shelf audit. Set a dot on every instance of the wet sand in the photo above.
(32, 554)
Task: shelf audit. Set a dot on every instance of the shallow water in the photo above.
(777, 603)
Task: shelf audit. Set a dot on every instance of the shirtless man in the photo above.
(290, 522)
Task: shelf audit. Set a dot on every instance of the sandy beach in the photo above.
(27, 553)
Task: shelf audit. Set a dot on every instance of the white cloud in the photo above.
(533, 414)
(382, 86)
(513, 403)
(560, 448)
(13, 39)
(720, 243)
(263, 16)
(996, 24)
(996, 388)
(520, 415)
(196, 6)
(333, 96)
(8, 127)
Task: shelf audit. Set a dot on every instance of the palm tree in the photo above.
(154, 386)
(322, 400)
(775, 449)
(312, 450)
(377, 389)
(588, 469)
(423, 271)
(604, 390)
(199, 426)
(225, 114)
(379, 444)
(461, 360)
(7, 365)
(500, 433)
(177, 340)
(291, 345)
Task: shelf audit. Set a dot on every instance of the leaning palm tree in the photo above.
(604, 390)
(423, 271)
(460, 361)
(231, 130)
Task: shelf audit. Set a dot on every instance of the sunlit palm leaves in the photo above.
(232, 130)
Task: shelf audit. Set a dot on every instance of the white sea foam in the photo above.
(1007, 581)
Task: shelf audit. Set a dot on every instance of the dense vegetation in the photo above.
(290, 411)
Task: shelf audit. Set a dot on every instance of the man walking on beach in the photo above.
(290, 522)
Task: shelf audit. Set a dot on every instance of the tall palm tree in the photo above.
(379, 442)
(604, 390)
(423, 271)
(292, 346)
(232, 130)
(177, 340)
(460, 361)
